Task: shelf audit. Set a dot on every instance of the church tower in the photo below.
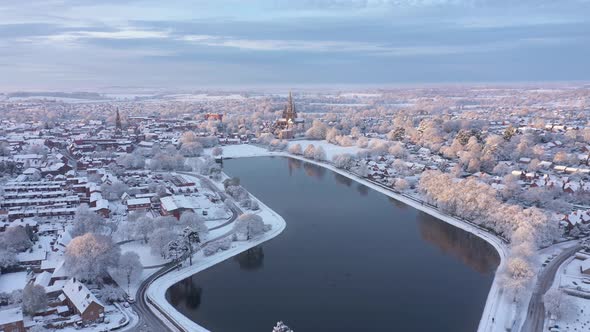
(290, 113)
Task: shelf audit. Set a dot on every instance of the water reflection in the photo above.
(397, 203)
(186, 293)
(314, 170)
(451, 240)
(362, 189)
(342, 179)
(251, 259)
(294, 164)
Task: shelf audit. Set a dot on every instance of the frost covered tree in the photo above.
(188, 137)
(7, 256)
(194, 222)
(332, 135)
(216, 246)
(114, 190)
(318, 130)
(111, 294)
(309, 151)
(217, 151)
(319, 154)
(517, 275)
(88, 256)
(558, 303)
(87, 221)
(14, 239)
(511, 188)
(296, 149)
(34, 299)
(129, 267)
(191, 149)
(363, 170)
(208, 142)
(397, 150)
(131, 160)
(281, 327)
(362, 142)
(249, 226)
(277, 145)
(343, 160)
(159, 240)
(143, 227)
(401, 184)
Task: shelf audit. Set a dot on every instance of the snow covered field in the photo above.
(242, 150)
(144, 252)
(330, 149)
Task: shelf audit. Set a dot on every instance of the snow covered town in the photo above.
(108, 199)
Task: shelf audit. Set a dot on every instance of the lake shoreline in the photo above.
(157, 291)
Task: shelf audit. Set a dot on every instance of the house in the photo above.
(575, 218)
(81, 301)
(102, 208)
(11, 320)
(134, 204)
(177, 204)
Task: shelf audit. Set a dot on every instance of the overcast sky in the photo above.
(82, 44)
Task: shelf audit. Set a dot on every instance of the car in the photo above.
(126, 305)
(586, 281)
(544, 264)
(575, 283)
(131, 299)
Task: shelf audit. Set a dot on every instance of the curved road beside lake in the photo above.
(535, 318)
(148, 321)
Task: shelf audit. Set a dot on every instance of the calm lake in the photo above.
(350, 259)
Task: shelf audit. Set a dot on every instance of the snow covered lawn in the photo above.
(241, 150)
(144, 252)
(12, 281)
(331, 149)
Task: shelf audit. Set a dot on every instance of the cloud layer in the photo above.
(180, 43)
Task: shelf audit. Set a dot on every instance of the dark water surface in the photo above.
(350, 259)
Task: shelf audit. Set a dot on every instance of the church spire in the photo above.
(290, 113)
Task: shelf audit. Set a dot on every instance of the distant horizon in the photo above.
(301, 87)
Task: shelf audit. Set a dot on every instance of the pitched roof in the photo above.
(79, 295)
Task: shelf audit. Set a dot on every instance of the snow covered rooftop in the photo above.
(11, 315)
(79, 295)
(172, 203)
(138, 201)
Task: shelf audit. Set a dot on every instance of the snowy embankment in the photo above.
(157, 290)
(497, 305)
